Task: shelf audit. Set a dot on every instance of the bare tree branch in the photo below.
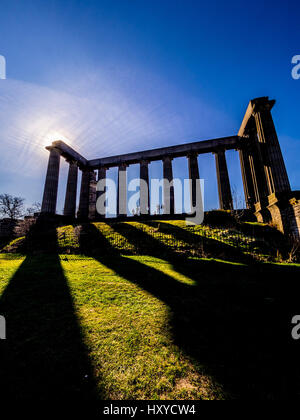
(11, 207)
(35, 208)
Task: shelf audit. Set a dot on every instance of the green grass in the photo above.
(126, 313)
(233, 243)
(128, 332)
(8, 267)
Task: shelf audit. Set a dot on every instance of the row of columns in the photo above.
(266, 184)
(225, 196)
(87, 191)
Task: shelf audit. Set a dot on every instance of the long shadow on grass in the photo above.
(43, 357)
(210, 246)
(4, 242)
(232, 323)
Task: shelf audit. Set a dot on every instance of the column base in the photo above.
(82, 217)
(285, 212)
(261, 212)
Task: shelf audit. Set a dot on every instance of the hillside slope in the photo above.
(147, 311)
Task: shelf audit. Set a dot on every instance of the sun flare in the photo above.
(54, 136)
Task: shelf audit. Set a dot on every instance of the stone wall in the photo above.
(16, 228)
(7, 227)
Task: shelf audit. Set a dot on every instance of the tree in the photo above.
(35, 208)
(11, 207)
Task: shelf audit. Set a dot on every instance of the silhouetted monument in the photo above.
(266, 185)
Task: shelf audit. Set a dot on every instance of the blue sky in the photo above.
(117, 76)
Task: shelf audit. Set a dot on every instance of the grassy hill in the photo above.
(151, 310)
(230, 241)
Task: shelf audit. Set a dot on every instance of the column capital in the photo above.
(192, 155)
(53, 149)
(123, 165)
(102, 168)
(165, 158)
(71, 161)
(144, 162)
(262, 104)
(219, 151)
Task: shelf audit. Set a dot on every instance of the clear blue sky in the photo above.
(118, 76)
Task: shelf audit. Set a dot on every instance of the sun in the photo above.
(54, 136)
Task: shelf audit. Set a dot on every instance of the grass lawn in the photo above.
(113, 325)
(137, 327)
(129, 333)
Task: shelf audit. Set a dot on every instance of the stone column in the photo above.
(247, 178)
(102, 194)
(92, 196)
(71, 192)
(83, 211)
(257, 169)
(258, 176)
(144, 188)
(168, 187)
(225, 197)
(275, 169)
(51, 183)
(194, 178)
(122, 191)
